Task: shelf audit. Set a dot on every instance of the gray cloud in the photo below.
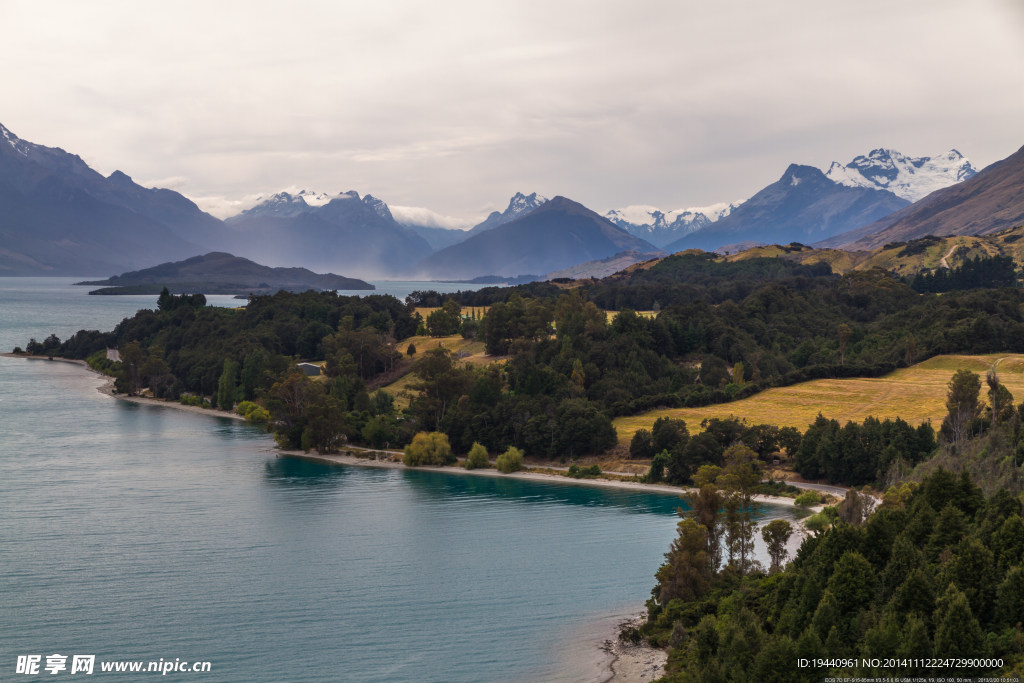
(456, 105)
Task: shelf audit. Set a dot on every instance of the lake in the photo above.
(135, 532)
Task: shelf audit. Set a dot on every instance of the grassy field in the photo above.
(916, 394)
(471, 311)
(465, 350)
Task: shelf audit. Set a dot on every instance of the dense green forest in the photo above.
(721, 331)
(936, 572)
(994, 271)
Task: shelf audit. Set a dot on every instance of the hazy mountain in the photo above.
(604, 267)
(663, 227)
(439, 238)
(59, 217)
(802, 206)
(911, 178)
(221, 273)
(558, 234)
(350, 233)
(990, 201)
(520, 205)
(439, 231)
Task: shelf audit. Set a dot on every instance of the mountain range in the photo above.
(354, 234)
(661, 228)
(58, 216)
(801, 206)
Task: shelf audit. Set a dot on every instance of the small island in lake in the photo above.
(222, 273)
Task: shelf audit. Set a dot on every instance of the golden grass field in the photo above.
(917, 394)
(466, 350)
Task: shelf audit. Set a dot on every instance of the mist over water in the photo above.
(138, 533)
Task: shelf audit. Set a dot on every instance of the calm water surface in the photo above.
(137, 532)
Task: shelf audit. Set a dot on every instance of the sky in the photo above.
(455, 105)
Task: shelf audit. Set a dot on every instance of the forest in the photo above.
(936, 573)
(563, 366)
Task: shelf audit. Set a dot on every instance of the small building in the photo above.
(310, 369)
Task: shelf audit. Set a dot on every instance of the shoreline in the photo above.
(356, 461)
(107, 388)
(631, 663)
(343, 459)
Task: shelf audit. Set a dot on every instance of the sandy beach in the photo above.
(107, 387)
(392, 460)
(633, 663)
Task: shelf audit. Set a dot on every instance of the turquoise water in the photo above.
(138, 533)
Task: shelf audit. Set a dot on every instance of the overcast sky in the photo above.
(455, 105)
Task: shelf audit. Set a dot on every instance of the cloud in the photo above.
(457, 106)
(414, 215)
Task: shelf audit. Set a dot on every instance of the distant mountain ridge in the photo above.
(802, 206)
(60, 217)
(660, 227)
(557, 234)
(349, 232)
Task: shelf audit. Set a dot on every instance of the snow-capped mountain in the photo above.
(801, 206)
(520, 205)
(378, 206)
(991, 201)
(285, 204)
(20, 146)
(661, 227)
(349, 233)
(911, 178)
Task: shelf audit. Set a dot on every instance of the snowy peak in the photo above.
(521, 204)
(378, 207)
(314, 198)
(911, 178)
(661, 227)
(19, 145)
(281, 205)
(286, 204)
